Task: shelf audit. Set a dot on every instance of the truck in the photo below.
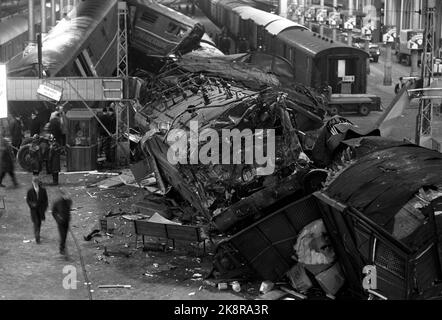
(403, 52)
(360, 103)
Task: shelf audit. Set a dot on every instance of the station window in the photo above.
(149, 17)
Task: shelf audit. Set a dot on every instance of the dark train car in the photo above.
(157, 30)
(318, 60)
(82, 44)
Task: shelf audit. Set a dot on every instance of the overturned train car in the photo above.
(381, 213)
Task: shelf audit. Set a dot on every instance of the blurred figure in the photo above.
(16, 132)
(37, 199)
(6, 161)
(53, 165)
(61, 211)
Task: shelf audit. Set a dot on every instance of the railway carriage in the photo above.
(14, 33)
(81, 44)
(157, 30)
(317, 61)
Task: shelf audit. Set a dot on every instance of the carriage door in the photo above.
(342, 75)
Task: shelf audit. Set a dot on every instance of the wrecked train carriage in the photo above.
(381, 214)
(178, 97)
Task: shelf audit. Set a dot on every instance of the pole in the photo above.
(388, 81)
(350, 15)
(53, 13)
(31, 21)
(43, 16)
(335, 30)
(321, 23)
(61, 9)
(414, 63)
(367, 49)
(40, 56)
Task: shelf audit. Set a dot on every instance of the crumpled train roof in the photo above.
(381, 183)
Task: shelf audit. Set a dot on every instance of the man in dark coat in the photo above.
(34, 125)
(6, 161)
(61, 211)
(53, 163)
(37, 199)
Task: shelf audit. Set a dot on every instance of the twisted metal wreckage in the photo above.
(287, 215)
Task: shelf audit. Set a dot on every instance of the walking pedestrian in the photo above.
(61, 211)
(35, 155)
(37, 199)
(6, 161)
(53, 164)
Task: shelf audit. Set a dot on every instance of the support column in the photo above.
(61, 8)
(321, 23)
(335, 30)
(367, 49)
(414, 63)
(53, 13)
(43, 16)
(388, 81)
(31, 21)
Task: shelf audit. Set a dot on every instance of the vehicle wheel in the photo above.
(397, 88)
(364, 110)
(24, 157)
(333, 111)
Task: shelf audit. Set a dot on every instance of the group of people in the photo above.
(38, 202)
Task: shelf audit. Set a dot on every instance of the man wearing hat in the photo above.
(37, 199)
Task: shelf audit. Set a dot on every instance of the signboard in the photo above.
(3, 93)
(416, 42)
(348, 79)
(350, 23)
(387, 38)
(48, 92)
(321, 15)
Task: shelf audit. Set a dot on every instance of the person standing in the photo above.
(55, 127)
(37, 199)
(6, 161)
(35, 125)
(53, 163)
(61, 211)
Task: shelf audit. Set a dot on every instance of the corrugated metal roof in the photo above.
(278, 26)
(260, 17)
(312, 43)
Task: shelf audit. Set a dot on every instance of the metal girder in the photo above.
(426, 105)
(122, 56)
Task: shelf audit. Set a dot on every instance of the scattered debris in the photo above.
(110, 286)
(192, 294)
(94, 233)
(266, 286)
